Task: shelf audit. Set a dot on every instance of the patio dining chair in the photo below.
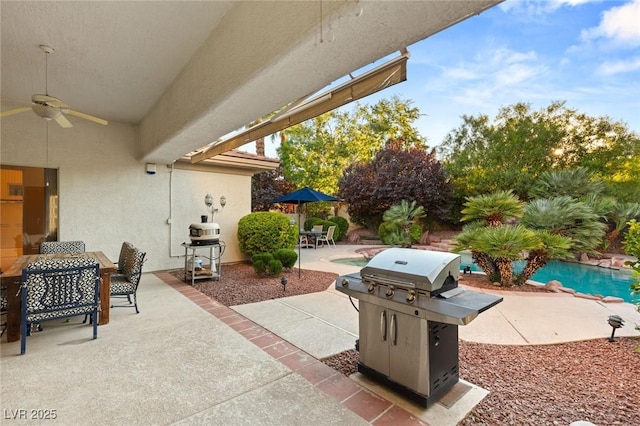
(59, 288)
(126, 284)
(125, 250)
(328, 238)
(47, 247)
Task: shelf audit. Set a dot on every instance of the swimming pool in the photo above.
(582, 278)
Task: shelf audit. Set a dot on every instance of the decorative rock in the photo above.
(554, 285)
(587, 296)
(425, 240)
(354, 237)
(617, 262)
(584, 257)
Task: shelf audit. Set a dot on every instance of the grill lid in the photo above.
(420, 269)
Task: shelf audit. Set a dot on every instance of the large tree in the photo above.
(511, 151)
(396, 173)
(316, 152)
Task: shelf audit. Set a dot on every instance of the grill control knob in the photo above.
(371, 288)
(411, 296)
(389, 292)
(345, 282)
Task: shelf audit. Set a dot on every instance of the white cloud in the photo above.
(618, 67)
(537, 7)
(620, 24)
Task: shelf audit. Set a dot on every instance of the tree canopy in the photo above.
(511, 151)
(316, 152)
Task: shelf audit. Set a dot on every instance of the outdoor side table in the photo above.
(210, 268)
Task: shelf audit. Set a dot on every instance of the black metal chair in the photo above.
(52, 247)
(125, 284)
(59, 288)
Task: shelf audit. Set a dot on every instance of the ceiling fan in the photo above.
(49, 107)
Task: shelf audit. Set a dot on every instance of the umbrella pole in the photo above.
(299, 243)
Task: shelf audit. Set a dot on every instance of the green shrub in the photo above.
(390, 233)
(265, 232)
(288, 257)
(631, 246)
(311, 222)
(415, 232)
(260, 261)
(342, 227)
(274, 268)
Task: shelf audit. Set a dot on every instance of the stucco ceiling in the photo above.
(188, 73)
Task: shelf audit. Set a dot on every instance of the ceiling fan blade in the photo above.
(63, 121)
(14, 111)
(86, 116)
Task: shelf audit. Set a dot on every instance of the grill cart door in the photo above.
(408, 338)
(374, 337)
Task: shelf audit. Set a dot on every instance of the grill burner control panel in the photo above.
(457, 306)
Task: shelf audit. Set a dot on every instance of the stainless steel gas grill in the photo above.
(410, 307)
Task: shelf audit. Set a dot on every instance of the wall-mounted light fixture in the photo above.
(208, 201)
(151, 169)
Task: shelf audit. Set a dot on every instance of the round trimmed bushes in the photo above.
(265, 232)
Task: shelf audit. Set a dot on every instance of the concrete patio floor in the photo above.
(186, 359)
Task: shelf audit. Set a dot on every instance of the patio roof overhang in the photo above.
(381, 77)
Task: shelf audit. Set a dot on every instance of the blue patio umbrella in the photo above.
(299, 197)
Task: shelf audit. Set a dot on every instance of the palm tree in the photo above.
(621, 214)
(404, 215)
(575, 183)
(495, 209)
(498, 247)
(567, 217)
(552, 247)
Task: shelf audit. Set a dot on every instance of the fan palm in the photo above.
(552, 247)
(567, 217)
(495, 209)
(404, 215)
(575, 183)
(495, 248)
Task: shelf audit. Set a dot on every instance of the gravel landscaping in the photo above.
(594, 380)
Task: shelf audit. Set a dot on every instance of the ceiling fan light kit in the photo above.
(49, 107)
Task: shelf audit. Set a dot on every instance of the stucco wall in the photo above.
(106, 196)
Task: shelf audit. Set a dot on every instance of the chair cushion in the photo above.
(125, 251)
(121, 285)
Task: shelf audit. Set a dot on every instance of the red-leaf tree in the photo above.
(396, 173)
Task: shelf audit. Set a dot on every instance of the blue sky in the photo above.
(584, 52)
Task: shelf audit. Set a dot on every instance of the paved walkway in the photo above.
(186, 359)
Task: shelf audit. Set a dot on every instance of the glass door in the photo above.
(28, 210)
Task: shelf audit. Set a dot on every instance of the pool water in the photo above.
(582, 278)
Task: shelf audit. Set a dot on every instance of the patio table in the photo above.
(13, 276)
(312, 236)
